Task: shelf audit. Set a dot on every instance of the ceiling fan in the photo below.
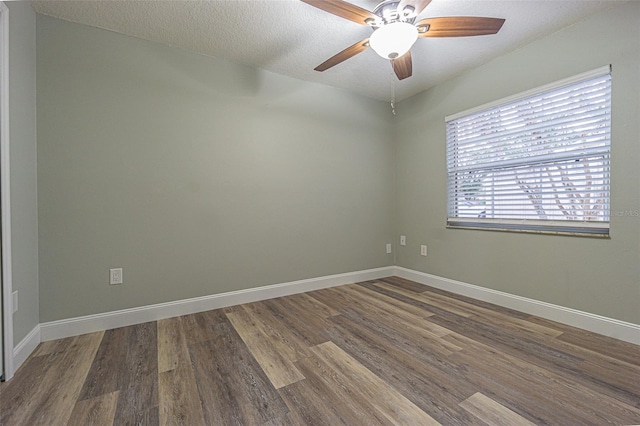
(395, 29)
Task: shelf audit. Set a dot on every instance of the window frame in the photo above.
(595, 228)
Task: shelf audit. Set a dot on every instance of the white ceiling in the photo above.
(291, 38)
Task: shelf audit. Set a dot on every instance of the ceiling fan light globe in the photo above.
(393, 40)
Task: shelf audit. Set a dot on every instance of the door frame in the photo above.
(5, 191)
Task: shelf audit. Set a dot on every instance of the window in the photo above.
(535, 162)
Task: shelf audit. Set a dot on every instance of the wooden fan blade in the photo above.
(344, 55)
(344, 10)
(459, 26)
(403, 66)
(418, 5)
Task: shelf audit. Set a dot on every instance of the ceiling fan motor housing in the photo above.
(389, 13)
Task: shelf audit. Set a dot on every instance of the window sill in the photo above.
(600, 230)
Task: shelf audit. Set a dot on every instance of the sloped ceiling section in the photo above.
(291, 38)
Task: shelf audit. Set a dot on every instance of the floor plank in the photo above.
(523, 386)
(105, 373)
(232, 386)
(427, 297)
(179, 401)
(331, 390)
(404, 284)
(279, 369)
(361, 301)
(389, 402)
(97, 411)
(304, 327)
(401, 282)
(54, 403)
(138, 398)
(422, 375)
(173, 352)
(199, 327)
(306, 303)
(17, 397)
(385, 303)
(178, 398)
(491, 412)
(311, 403)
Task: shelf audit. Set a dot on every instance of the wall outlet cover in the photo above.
(115, 276)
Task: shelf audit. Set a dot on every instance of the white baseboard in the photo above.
(621, 330)
(27, 345)
(98, 322)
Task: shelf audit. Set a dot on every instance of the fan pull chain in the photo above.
(393, 94)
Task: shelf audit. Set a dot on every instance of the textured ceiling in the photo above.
(291, 38)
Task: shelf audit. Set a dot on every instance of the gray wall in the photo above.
(195, 175)
(22, 125)
(593, 275)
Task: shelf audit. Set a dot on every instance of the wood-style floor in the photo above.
(380, 352)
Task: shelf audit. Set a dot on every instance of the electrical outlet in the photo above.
(115, 276)
(388, 248)
(403, 240)
(14, 301)
(423, 250)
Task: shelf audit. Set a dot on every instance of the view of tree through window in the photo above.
(537, 159)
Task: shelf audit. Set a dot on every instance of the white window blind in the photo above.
(537, 162)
